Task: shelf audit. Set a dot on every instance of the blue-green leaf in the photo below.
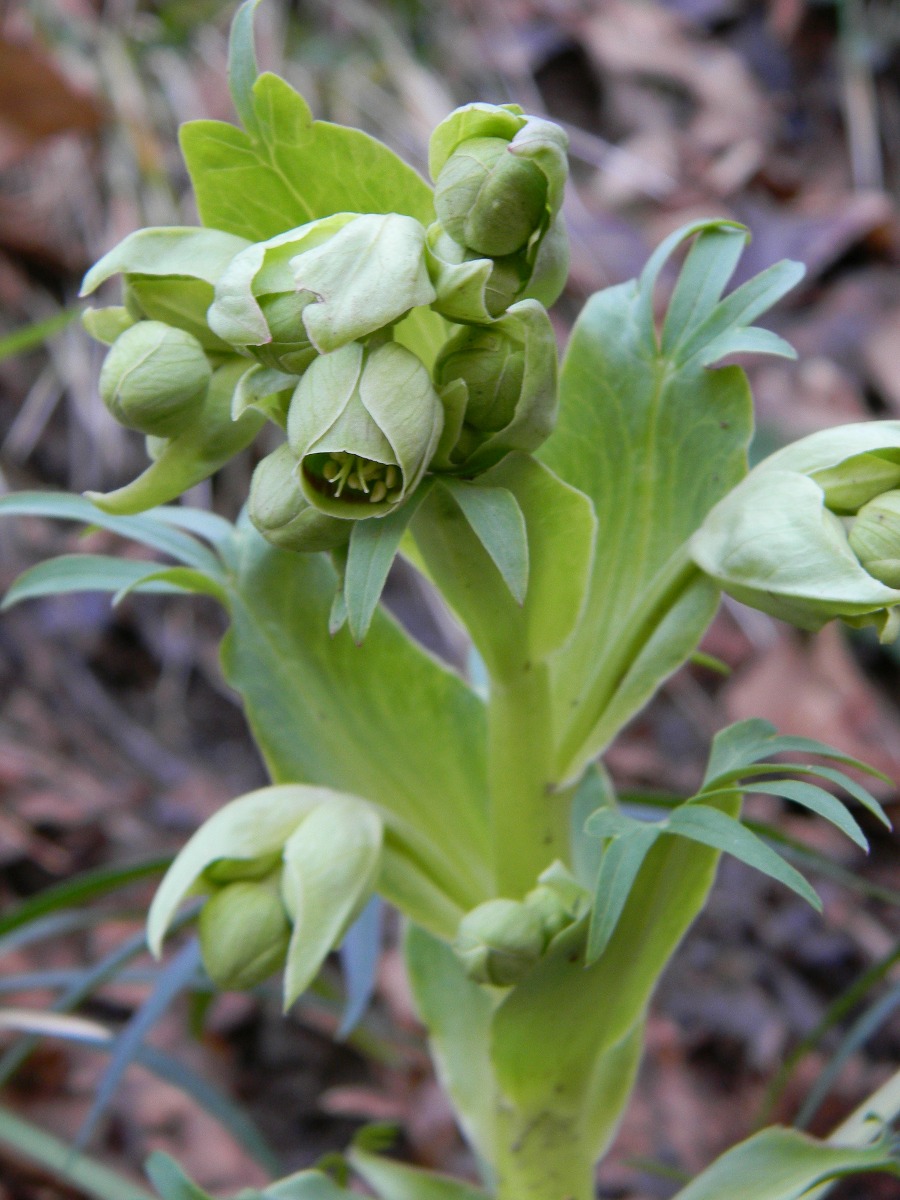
(783, 1164)
(170, 1181)
(816, 799)
(373, 547)
(497, 521)
(706, 271)
(144, 528)
(86, 573)
(713, 828)
(622, 860)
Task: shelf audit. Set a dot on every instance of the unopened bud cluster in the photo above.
(500, 941)
(313, 313)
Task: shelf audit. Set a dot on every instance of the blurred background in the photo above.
(117, 735)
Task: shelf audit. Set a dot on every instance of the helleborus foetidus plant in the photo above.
(581, 524)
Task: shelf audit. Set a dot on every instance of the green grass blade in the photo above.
(35, 1145)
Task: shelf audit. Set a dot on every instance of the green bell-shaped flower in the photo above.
(244, 933)
(498, 383)
(283, 515)
(778, 541)
(327, 849)
(154, 378)
(314, 289)
(499, 942)
(364, 424)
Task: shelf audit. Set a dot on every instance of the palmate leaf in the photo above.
(285, 169)
(655, 440)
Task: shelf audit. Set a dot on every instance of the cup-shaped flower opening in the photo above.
(282, 514)
(499, 942)
(363, 424)
(154, 378)
(489, 199)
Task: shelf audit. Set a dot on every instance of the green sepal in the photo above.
(267, 390)
(349, 275)
(205, 446)
(376, 407)
(105, 324)
(526, 326)
(283, 515)
(169, 275)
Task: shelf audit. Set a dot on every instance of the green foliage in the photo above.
(783, 1164)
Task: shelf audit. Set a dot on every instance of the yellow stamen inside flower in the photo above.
(377, 481)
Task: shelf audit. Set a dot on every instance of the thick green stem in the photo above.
(529, 821)
(543, 1159)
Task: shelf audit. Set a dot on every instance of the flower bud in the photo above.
(875, 538)
(244, 933)
(508, 371)
(154, 378)
(492, 366)
(558, 901)
(488, 199)
(364, 424)
(499, 942)
(499, 178)
(283, 515)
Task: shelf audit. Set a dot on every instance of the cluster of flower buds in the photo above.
(316, 329)
(500, 941)
(813, 532)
